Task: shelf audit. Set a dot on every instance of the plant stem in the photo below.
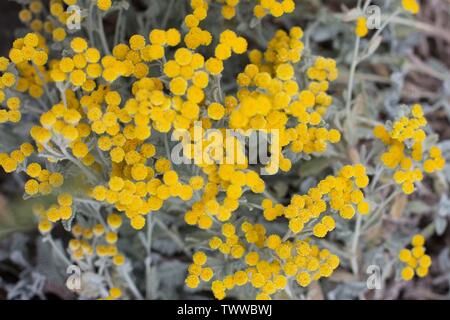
(421, 26)
(167, 14)
(118, 26)
(101, 33)
(60, 254)
(131, 285)
(172, 235)
(375, 215)
(90, 24)
(167, 146)
(85, 170)
(148, 259)
(351, 80)
(271, 197)
(354, 255)
(44, 84)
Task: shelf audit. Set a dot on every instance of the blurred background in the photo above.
(8, 23)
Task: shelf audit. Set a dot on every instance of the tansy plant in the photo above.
(101, 110)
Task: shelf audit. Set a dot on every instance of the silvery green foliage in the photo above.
(32, 279)
(443, 215)
(348, 291)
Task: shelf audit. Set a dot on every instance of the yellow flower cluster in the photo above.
(322, 72)
(31, 16)
(98, 241)
(221, 149)
(268, 269)
(111, 110)
(140, 198)
(42, 180)
(196, 36)
(231, 179)
(83, 67)
(299, 259)
(417, 262)
(264, 7)
(100, 112)
(95, 243)
(30, 56)
(405, 152)
(64, 123)
(10, 162)
(229, 8)
(151, 104)
(197, 271)
(190, 75)
(49, 22)
(60, 211)
(273, 7)
(343, 192)
(269, 96)
(7, 82)
(283, 48)
(104, 5)
(86, 65)
(114, 293)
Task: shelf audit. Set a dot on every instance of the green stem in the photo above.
(101, 33)
(351, 80)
